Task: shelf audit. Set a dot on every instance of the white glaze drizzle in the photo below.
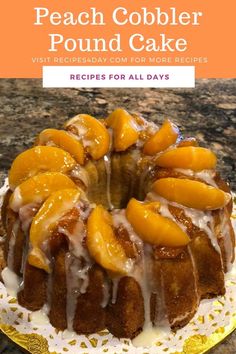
(164, 208)
(26, 214)
(119, 219)
(24, 254)
(152, 128)
(40, 317)
(142, 273)
(54, 218)
(225, 232)
(205, 175)
(77, 278)
(195, 272)
(115, 283)
(76, 239)
(106, 294)
(16, 200)
(11, 281)
(77, 262)
(180, 318)
(66, 334)
(203, 220)
(231, 274)
(134, 124)
(161, 319)
(77, 281)
(150, 336)
(107, 163)
(12, 242)
(81, 131)
(80, 173)
(49, 289)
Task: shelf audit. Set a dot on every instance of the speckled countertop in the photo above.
(207, 112)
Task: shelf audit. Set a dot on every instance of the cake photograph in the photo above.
(117, 219)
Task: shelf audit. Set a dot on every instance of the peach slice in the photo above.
(194, 158)
(152, 227)
(102, 243)
(190, 193)
(45, 221)
(162, 139)
(93, 134)
(38, 188)
(188, 142)
(124, 127)
(63, 140)
(37, 160)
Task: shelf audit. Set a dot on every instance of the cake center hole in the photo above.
(115, 179)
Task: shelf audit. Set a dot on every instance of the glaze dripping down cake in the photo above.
(117, 224)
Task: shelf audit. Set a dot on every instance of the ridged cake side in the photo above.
(90, 252)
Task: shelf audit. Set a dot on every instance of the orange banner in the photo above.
(80, 32)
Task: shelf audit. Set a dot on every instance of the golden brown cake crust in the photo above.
(115, 270)
(125, 318)
(58, 291)
(179, 281)
(90, 316)
(2, 242)
(16, 255)
(34, 294)
(208, 261)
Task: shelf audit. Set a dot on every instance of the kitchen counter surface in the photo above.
(207, 112)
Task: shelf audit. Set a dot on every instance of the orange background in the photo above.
(21, 40)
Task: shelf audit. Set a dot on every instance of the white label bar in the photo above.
(118, 76)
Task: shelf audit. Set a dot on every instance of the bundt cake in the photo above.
(116, 223)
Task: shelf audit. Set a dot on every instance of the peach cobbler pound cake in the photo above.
(117, 223)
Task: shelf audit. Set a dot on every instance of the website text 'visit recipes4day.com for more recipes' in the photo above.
(117, 126)
(134, 44)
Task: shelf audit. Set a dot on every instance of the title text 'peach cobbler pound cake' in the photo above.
(116, 223)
